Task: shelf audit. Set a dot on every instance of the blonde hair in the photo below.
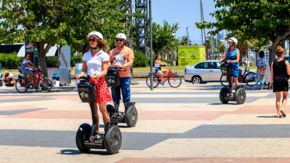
(279, 51)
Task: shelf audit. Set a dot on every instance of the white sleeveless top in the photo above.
(157, 65)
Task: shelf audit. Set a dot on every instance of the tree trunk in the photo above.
(42, 56)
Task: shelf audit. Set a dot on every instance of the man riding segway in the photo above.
(121, 59)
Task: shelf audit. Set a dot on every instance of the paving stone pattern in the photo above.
(185, 124)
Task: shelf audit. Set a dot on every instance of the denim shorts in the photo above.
(157, 69)
(125, 88)
(26, 72)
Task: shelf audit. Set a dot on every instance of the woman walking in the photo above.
(279, 80)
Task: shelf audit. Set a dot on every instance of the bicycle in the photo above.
(248, 77)
(44, 85)
(174, 80)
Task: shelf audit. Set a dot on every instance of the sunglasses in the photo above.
(93, 40)
(118, 40)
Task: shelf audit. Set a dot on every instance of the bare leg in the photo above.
(161, 75)
(106, 117)
(231, 80)
(164, 71)
(284, 100)
(28, 79)
(278, 97)
(34, 79)
(236, 82)
(97, 115)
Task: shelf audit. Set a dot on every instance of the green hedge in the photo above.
(76, 59)
(140, 59)
(10, 61)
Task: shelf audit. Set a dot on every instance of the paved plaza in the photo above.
(186, 124)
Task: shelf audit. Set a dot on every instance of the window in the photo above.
(215, 65)
(202, 65)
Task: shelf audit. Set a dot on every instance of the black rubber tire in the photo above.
(18, 84)
(196, 80)
(110, 109)
(156, 80)
(178, 80)
(224, 82)
(131, 116)
(113, 139)
(223, 90)
(240, 96)
(246, 81)
(83, 134)
(45, 88)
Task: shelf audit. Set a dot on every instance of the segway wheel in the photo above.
(113, 139)
(83, 134)
(131, 116)
(222, 92)
(240, 96)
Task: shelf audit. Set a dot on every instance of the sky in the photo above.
(185, 12)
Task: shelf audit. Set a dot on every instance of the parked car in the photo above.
(204, 71)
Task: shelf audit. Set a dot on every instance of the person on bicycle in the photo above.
(95, 64)
(25, 65)
(158, 70)
(122, 58)
(233, 57)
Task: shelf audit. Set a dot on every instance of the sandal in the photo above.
(283, 113)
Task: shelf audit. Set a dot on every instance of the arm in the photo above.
(287, 67)
(130, 63)
(111, 57)
(238, 57)
(164, 63)
(272, 76)
(224, 58)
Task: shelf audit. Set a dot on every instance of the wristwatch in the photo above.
(97, 76)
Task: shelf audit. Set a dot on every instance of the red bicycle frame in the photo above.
(38, 73)
(168, 74)
(240, 79)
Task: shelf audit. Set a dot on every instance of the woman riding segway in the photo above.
(230, 68)
(95, 64)
(233, 57)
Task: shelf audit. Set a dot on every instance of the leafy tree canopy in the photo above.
(163, 36)
(59, 22)
(257, 19)
(184, 40)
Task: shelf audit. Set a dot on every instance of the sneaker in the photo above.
(163, 83)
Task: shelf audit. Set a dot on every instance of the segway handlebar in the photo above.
(224, 61)
(85, 78)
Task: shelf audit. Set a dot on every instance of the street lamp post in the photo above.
(151, 57)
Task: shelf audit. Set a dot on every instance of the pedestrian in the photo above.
(176, 61)
(279, 80)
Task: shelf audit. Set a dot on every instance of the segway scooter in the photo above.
(130, 115)
(225, 95)
(86, 137)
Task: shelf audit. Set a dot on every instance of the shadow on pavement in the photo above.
(267, 116)
(77, 152)
(222, 104)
